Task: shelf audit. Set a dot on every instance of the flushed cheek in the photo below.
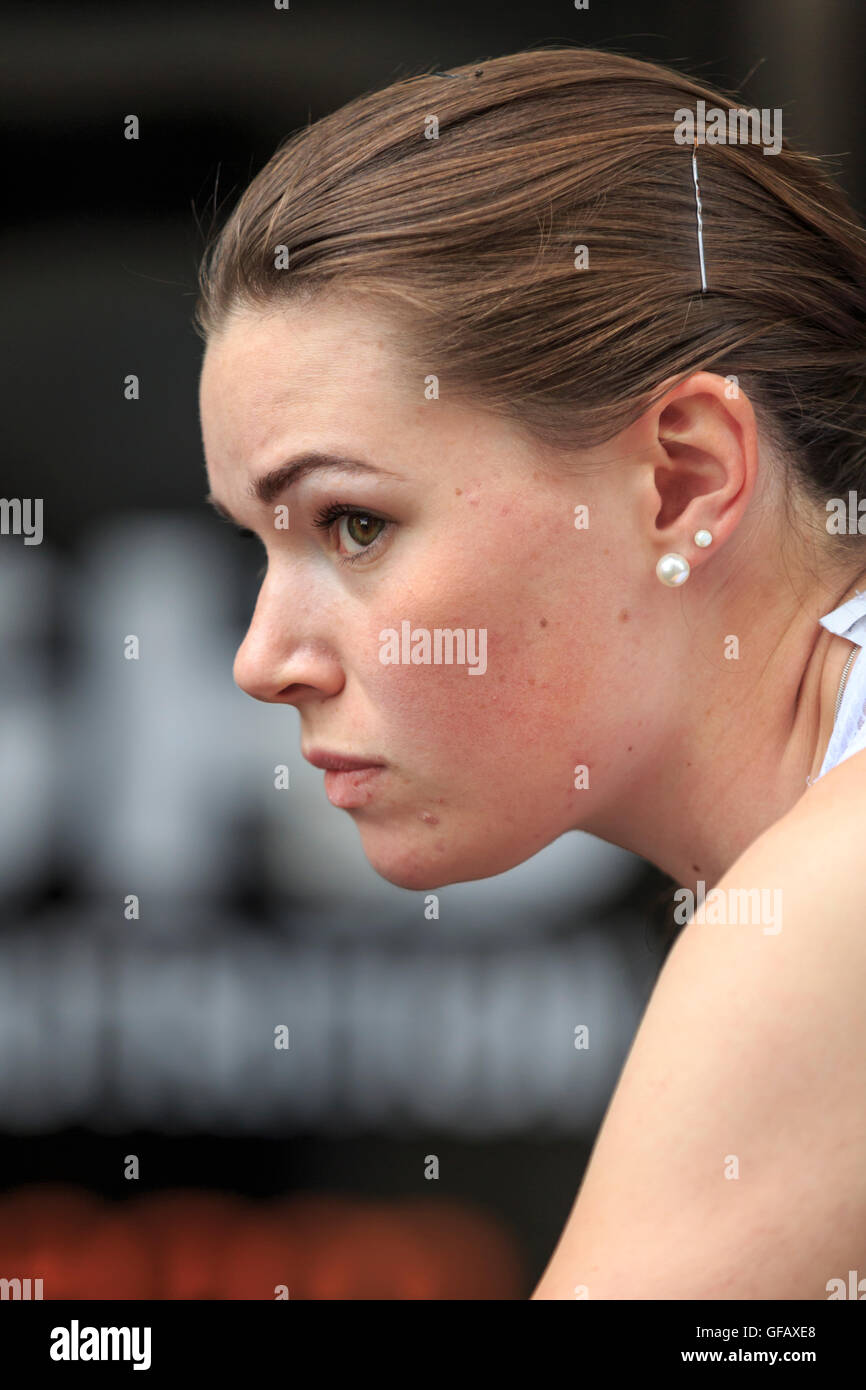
(446, 726)
(430, 715)
(444, 720)
(481, 776)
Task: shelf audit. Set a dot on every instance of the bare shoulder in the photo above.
(732, 1159)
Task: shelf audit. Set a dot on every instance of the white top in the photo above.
(849, 730)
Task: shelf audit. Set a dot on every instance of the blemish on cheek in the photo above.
(543, 623)
(428, 818)
(623, 617)
(458, 492)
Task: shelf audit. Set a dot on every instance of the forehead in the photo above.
(328, 363)
(342, 375)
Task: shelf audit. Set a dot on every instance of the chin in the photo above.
(420, 872)
(431, 862)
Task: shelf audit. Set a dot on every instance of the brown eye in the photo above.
(362, 528)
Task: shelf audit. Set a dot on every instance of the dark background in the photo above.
(153, 1036)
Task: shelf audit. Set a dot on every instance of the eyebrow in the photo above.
(276, 482)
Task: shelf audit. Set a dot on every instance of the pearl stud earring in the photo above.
(703, 538)
(673, 569)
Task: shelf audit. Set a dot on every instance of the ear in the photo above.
(703, 442)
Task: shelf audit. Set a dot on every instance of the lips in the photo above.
(348, 779)
(339, 762)
(352, 790)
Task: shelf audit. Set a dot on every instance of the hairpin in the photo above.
(700, 219)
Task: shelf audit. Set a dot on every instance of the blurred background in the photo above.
(163, 908)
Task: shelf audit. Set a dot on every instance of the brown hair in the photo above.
(471, 238)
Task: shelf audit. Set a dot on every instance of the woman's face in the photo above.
(460, 524)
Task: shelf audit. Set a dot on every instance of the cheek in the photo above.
(452, 720)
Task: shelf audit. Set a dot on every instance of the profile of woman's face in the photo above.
(461, 526)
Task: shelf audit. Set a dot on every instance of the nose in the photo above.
(282, 666)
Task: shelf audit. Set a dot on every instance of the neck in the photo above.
(741, 736)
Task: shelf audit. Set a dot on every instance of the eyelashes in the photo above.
(333, 511)
(324, 520)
